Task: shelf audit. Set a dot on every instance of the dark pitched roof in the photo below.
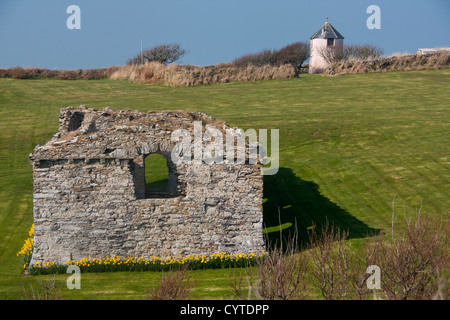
(327, 31)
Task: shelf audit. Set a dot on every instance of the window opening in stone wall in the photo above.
(330, 42)
(156, 174)
(75, 121)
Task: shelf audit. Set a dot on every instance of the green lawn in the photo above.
(348, 146)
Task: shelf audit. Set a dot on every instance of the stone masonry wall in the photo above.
(90, 198)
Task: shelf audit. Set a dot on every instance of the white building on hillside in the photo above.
(326, 37)
(431, 50)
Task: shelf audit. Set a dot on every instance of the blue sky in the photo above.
(34, 33)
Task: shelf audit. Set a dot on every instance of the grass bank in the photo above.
(348, 146)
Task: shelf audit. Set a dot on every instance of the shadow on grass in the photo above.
(293, 205)
(157, 185)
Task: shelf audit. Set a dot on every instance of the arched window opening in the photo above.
(156, 173)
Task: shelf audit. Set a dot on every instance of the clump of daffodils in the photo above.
(27, 248)
(152, 263)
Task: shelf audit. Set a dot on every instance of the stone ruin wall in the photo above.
(90, 198)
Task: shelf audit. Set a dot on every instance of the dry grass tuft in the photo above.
(398, 61)
(186, 75)
(39, 73)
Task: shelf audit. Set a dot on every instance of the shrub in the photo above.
(412, 262)
(19, 73)
(279, 276)
(163, 53)
(294, 54)
(47, 290)
(336, 270)
(334, 55)
(174, 284)
(362, 52)
(265, 57)
(33, 73)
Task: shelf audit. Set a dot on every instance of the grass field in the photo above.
(348, 146)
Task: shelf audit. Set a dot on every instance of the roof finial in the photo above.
(327, 18)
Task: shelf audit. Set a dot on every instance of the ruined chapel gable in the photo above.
(90, 197)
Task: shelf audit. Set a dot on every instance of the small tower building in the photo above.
(326, 37)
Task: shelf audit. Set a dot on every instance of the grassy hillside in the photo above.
(348, 146)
